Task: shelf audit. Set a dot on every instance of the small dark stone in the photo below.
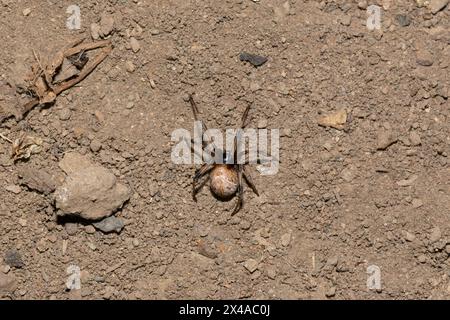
(403, 20)
(254, 59)
(13, 259)
(110, 224)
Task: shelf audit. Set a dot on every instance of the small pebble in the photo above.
(435, 234)
(437, 5)
(245, 225)
(84, 276)
(254, 59)
(85, 292)
(7, 283)
(286, 132)
(134, 43)
(64, 114)
(332, 261)
(409, 237)
(362, 5)
(110, 224)
(13, 188)
(22, 292)
(416, 203)
(422, 258)
(385, 139)
(106, 25)
(99, 116)
(13, 259)
(203, 232)
(26, 12)
(95, 31)
(424, 57)
(130, 66)
(254, 86)
(271, 272)
(262, 124)
(251, 265)
(95, 145)
(346, 20)
(185, 97)
(348, 174)
(71, 228)
(285, 239)
(414, 138)
(42, 246)
(89, 229)
(331, 292)
(5, 268)
(22, 222)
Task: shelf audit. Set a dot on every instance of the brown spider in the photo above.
(225, 179)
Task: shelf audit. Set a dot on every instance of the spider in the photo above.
(225, 179)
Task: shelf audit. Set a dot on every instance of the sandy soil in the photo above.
(374, 194)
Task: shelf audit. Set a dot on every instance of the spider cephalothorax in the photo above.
(225, 179)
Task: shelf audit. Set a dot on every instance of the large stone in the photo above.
(89, 191)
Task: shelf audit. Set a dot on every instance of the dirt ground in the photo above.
(374, 194)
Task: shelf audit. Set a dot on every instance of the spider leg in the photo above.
(195, 111)
(205, 168)
(244, 122)
(240, 191)
(197, 187)
(260, 160)
(204, 127)
(249, 179)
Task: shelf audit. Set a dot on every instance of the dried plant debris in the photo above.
(24, 146)
(70, 65)
(335, 120)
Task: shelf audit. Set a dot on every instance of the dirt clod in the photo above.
(437, 5)
(13, 188)
(385, 139)
(89, 191)
(7, 283)
(106, 25)
(38, 179)
(134, 43)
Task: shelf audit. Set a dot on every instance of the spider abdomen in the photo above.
(224, 181)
